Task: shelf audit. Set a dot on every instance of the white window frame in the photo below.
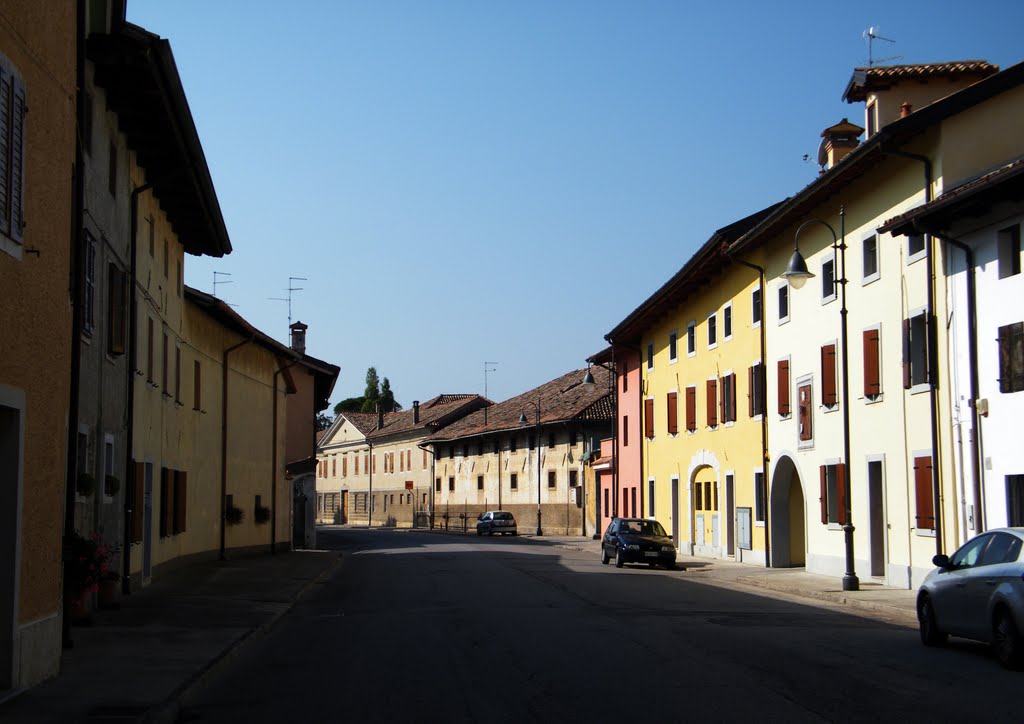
(789, 303)
(713, 315)
(673, 341)
(925, 386)
(756, 323)
(732, 321)
(691, 338)
(830, 259)
(916, 256)
(870, 278)
(803, 380)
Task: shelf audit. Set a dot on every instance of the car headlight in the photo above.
(633, 547)
(668, 549)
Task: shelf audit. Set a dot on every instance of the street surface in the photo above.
(424, 627)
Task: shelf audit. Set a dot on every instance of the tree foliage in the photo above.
(322, 421)
(352, 404)
(371, 396)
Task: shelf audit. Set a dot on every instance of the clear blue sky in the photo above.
(461, 181)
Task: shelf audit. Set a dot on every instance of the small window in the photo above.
(712, 331)
(691, 409)
(805, 414)
(872, 119)
(833, 493)
(828, 280)
(650, 355)
(784, 303)
(829, 393)
(437, 482)
(698, 496)
(151, 235)
(513, 481)
(552, 479)
(916, 359)
(479, 482)
(672, 412)
(451, 484)
(923, 489)
(649, 418)
(872, 365)
(759, 497)
(915, 247)
(727, 322)
(625, 431)
(117, 310)
(197, 397)
(650, 497)
(756, 384)
(755, 304)
(729, 398)
(150, 341)
(1011, 357)
(870, 253)
(672, 347)
(88, 284)
(691, 339)
(1009, 251)
(782, 377)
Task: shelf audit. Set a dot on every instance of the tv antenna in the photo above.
(487, 368)
(291, 288)
(872, 34)
(216, 282)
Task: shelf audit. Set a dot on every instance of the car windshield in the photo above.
(503, 516)
(642, 527)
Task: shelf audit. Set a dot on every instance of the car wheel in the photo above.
(651, 565)
(479, 532)
(670, 566)
(604, 556)
(931, 634)
(1006, 640)
(619, 559)
(490, 532)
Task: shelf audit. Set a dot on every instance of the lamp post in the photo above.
(524, 421)
(797, 274)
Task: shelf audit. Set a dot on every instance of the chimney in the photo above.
(380, 417)
(415, 412)
(905, 109)
(299, 337)
(837, 142)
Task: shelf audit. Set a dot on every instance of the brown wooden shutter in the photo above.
(804, 411)
(872, 381)
(180, 501)
(712, 402)
(116, 311)
(197, 397)
(723, 412)
(923, 490)
(673, 413)
(6, 88)
(841, 493)
(731, 380)
(649, 418)
(823, 492)
(783, 376)
(17, 161)
(691, 408)
(138, 503)
(828, 375)
(750, 391)
(165, 502)
(177, 374)
(906, 354)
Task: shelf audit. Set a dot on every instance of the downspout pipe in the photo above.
(427, 448)
(764, 413)
(224, 437)
(273, 464)
(369, 499)
(933, 362)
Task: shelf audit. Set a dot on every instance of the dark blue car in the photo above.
(637, 540)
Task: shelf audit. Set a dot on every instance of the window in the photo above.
(916, 343)
(479, 482)
(437, 482)
(869, 249)
(167, 258)
(729, 398)
(755, 383)
(759, 497)
(334, 466)
(108, 462)
(672, 347)
(165, 502)
(178, 283)
(112, 170)
(712, 403)
(344, 465)
(672, 413)
(607, 510)
(355, 463)
(88, 283)
(1011, 357)
(196, 385)
(149, 350)
(872, 365)
(712, 331)
(552, 479)
(915, 247)
(551, 439)
(872, 119)
(574, 479)
(1009, 251)
(177, 374)
(805, 412)
(691, 409)
(625, 431)
(828, 280)
(829, 396)
(512, 444)
(755, 305)
(632, 500)
(650, 355)
(649, 418)
(513, 482)
(923, 497)
(151, 235)
(698, 496)
(425, 456)
(117, 309)
(727, 322)
(1015, 500)
(783, 388)
(783, 303)
(625, 377)
(691, 339)
(451, 484)
(833, 493)
(180, 501)
(650, 497)
(165, 366)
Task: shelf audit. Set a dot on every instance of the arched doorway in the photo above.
(705, 520)
(788, 527)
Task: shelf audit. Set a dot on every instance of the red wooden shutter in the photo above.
(712, 403)
(723, 411)
(872, 381)
(784, 408)
(906, 354)
(823, 492)
(180, 501)
(828, 374)
(673, 413)
(649, 418)
(139, 483)
(750, 391)
(841, 493)
(691, 408)
(804, 411)
(923, 490)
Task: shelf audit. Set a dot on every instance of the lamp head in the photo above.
(797, 272)
(588, 379)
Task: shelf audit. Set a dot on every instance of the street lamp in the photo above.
(524, 421)
(797, 274)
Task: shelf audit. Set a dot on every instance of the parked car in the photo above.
(978, 593)
(496, 521)
(637, 540)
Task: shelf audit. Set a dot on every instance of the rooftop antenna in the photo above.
(872, 34)
(288, 299)
(487, 368)
(217, 282)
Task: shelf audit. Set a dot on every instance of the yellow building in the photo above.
(702, 401)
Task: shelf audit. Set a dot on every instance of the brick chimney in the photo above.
(299, 337)
(836, 143)
(415, 412)
(905, 109)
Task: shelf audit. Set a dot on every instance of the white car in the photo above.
(978, 593)
(496, 521)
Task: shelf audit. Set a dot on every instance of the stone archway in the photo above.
(704, 515)
(788, 526)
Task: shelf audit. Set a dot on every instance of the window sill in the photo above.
(834, 526)
(673, 360)
(919, 389)
(870, 279)
(913, 258)
(828, 300)
(805, 445)
(758, 524)
(727, 338)
(827, 409)
(11, 248)
(924, 532)
(712, 345)
(783, 320)
(691, 354)
(730, 423)
(873, 399)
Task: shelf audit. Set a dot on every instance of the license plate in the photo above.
(651, 554)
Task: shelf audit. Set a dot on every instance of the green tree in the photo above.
(352, 404)
(387, 397)
(322, 421)
(372, 394)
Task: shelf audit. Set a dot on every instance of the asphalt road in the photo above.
(422, 627)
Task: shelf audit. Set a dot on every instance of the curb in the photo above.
(830, 596)
(168, 711)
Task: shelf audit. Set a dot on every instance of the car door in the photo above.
(609, 537)
(950, 592)
(996, 567)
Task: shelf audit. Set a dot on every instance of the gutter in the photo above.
(224, 437)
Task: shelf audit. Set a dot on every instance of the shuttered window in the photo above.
(673, 413)
(872, 365)
(197, 386)
(138, 493)
(804, 412)
(649, 418)
(728, 399)
(117, 309)
(166, 504)
(712, 403)
(755, 384)
(828, 375)
(691, 409)
(832, 479)
(88, 283)
(625, 431)
(1011, 357)
(12, 150)
(918, 367)
(783, 385)
(180, 500)
(923, 492)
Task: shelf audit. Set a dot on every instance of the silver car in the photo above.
(496, 521)
(978, 593)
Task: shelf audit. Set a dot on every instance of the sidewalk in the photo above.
(167, 638)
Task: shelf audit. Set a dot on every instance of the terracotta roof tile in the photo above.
(434, 413)
(880, 77)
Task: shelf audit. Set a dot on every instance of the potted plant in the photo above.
(233, 515)
(85, 485)
(87, 561)
(109, 593)
(111, 486)
(261, 515)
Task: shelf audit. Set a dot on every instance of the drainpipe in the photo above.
(369, 500)
(273, 464)
(764, 414)
(224, 437)
(933, 372)
(425, 447)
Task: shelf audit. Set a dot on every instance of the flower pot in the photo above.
(109, 594)
(78, 610)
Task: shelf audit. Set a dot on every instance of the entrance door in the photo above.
(675, 512)
(344, 506)
(715, 536)
(699, 529)
(730, 517)
(876, 510)
(147, 525)
(10, 473)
